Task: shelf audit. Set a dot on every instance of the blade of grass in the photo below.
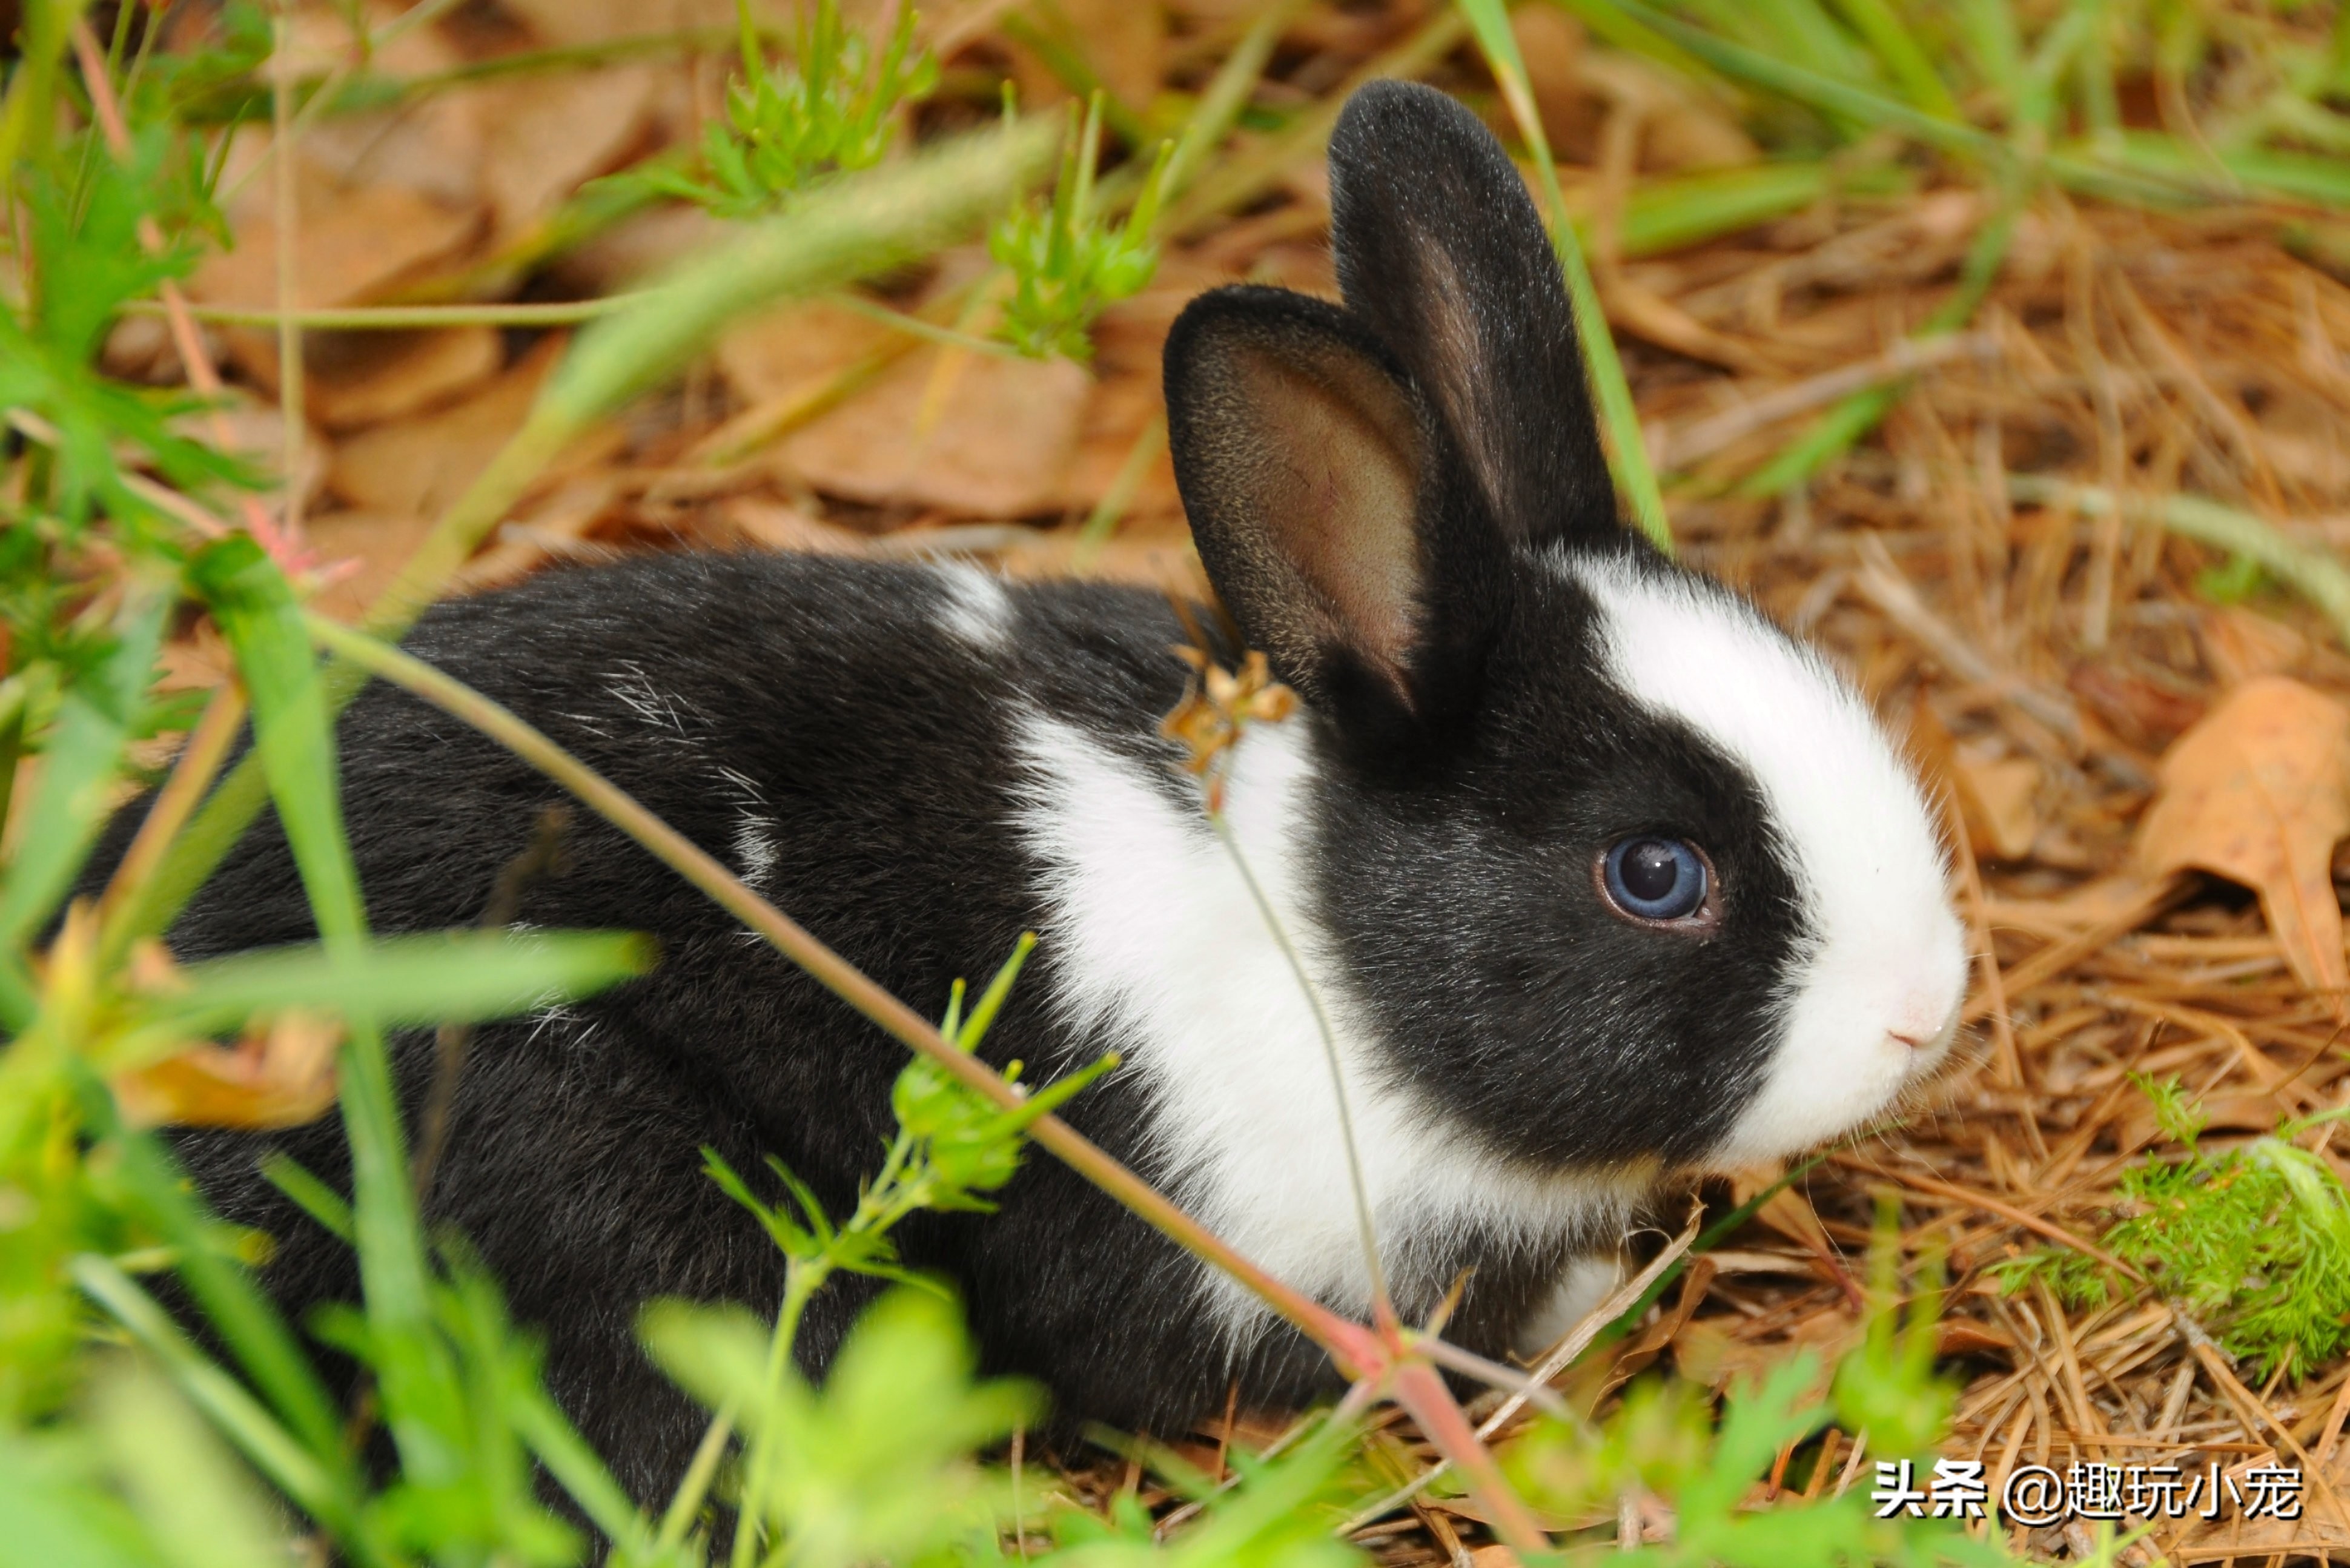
(1610, 23)
(2312, 573)
(254, 607)
(238, 1416)
(1619, 420)
(863, 225)
(1245, 175)
(1827, 94)
(1903, 58)
(407, 317)
(246, 1321)
(84, 752)
(1065, 56)
(1673, 213)
(1227, 93)
(447, 977)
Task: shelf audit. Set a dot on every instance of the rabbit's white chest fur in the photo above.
(1161, 951)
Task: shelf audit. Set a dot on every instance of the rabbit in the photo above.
(1602, 878)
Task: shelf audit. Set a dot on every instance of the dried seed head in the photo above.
(1217, 706)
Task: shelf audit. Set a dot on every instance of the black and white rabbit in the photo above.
(1601, 876)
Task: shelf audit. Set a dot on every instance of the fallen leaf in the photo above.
(357, 379)
(2140, 712)
(553, 132)
(2259, 791)
(361, 551)
(1123, 43)
(1996, 794)
(417, 467)
(787, 353)
(565, 22)
(1124, 409)
(1706, 1353)
(771, 526)
(548, 527)
(977, 434)
(351, 242)
(278, 1076)
(429, 143)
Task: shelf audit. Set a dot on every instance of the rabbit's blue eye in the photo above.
(1652, 878)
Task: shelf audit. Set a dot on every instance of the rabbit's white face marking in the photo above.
(1158, 947)
(977, 609)
(1875, 1005)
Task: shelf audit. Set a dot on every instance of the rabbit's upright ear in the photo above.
(1302, 458)
(1440, 252)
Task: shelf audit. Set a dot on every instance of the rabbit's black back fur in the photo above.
(834, 706)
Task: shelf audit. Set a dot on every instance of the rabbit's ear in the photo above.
(1441, 251)
(1303, 460)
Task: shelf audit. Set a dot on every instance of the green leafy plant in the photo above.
(831, 110)
(1665, 1443)
(1067, 261)
(2255, 1240)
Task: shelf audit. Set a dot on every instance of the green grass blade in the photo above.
(449, 976)
(2298, 176)
(1989, 30)
(202, 1508)
(1670, 214)
(254, 607)
(1228, 92)
(1904, 59)
(2324, 580)
(1837, 430)
(1755, 69)
(80, 762)
(236, 1413)
(246, 1321)
(1619, 420)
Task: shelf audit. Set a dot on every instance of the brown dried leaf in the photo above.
(975, 434)
(430, 144)
(787, 353)
(363, 551)
(552, 132)
(2259, 791)
(1996, 794)
(351, 242)
(280, 1076)
(565, 22)
(366, 378)
(417, 467)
